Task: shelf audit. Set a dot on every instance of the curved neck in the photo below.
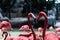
(46, 22)
(6, 34)
(30, 15)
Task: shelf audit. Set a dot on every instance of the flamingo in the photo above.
(51, 36)
(29, 33)
(23, 37)
(24, 27)
(4, 26)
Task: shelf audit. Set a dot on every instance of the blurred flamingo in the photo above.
(29, 33)
(4, 26)
(25, 28)
(51, 36)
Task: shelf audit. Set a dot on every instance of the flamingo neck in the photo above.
(33, 32)
(46, 22)
(45, 27)
(6, 34)
(30, 26)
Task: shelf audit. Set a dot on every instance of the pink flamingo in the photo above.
(51, 36)
(24, 27)
(29, 33)
(23, 37)
(4, 26)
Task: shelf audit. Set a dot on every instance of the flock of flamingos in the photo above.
(31, 35)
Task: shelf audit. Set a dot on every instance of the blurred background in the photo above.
(16, 11)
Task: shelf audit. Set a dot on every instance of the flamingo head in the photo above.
(24, 27)
(7, 25)
(51, 28)
(4, 22)
(39, 29)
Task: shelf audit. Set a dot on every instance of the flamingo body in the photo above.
(24, 27)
